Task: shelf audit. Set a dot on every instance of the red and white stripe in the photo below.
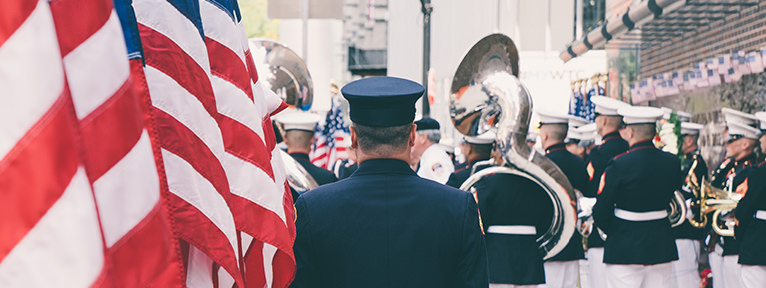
(140, 246)
(258, 200)
(49, 219)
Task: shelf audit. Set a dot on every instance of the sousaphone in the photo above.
(486, 94)
(285, 73)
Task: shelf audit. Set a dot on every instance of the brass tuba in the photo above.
(487, 95)
(721, 203)
(286, 74)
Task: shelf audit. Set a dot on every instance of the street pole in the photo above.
(426, 8)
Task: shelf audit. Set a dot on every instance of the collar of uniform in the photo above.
(642, 145)
(300, 156)
(555, 147)
(747, 161)
(691, 154)
(384, 166)
(611, 136)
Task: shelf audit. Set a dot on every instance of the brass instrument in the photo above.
(487, 95)
(719, 202)
(286, 75)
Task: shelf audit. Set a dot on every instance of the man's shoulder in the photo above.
(418, 186)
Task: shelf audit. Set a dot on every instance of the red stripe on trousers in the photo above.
(36, 171)
(13, 14)
(198, 230)
(77, 20)
(165, 55)
(145, 256)
(178, 139)
(111, 131)
(225, 64)
(244, 143)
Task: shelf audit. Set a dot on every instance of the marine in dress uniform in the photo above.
(688, 238)
(561, 270)
(515, 212)
(477, 148)
(577, 142)
(299, 135)
(634, 193)
(434, 163)
(608, 122)
(384, 226)
(740, 144)
(751, 218)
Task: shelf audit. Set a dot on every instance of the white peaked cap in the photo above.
(739, 130)
(486, 138)
(688, 128)
(297, 120)
(762, 119)
(734, 116)
(608, 106)
(586, 132)
(575, 122)
(547, 117)
(640, 115)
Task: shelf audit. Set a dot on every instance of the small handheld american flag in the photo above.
(331, 137)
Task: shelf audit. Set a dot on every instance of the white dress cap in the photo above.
(738, 130)
(640, 115)
(297, 120)
(734, 116)
(586, 132)
(575, 122)
(688, 128)
(486, 138)
(608, 106)
(682, 116)
(762, 119)
(548, 117)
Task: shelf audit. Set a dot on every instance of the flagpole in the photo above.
(426, 8)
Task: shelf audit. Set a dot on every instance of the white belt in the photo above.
(760, 215)
(512, 229)
(640, 216)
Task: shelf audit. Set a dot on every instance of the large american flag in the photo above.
(331, 137)
(151, 172)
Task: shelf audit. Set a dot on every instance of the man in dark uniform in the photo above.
(685, 269)
(384, 226)
(741, 140)
(562, 270)
(476, 148)
(515, 212)
(751, 218)
(299, 135)
(634, 193)
(607, 125)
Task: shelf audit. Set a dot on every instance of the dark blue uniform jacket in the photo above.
(611, 145)
(641, 180)
(462, 172)
(386, 227)
(574, 168)
(751, 232)
(506, 199)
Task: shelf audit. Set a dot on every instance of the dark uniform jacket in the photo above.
(686, 230)
(344, 168)
(751, 232)
(462, 172)
(321, 176)
(506, 199)
(738, 171)
(386, 227)
(641, 180)
(611, 145)
(574, 168)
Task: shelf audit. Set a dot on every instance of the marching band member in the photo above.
(434, 163)
(751, 218)
(475, 149)
(608, 122)
(685, 269)
(634, 193)
(299, 136)
(561, 270)
(740, 144)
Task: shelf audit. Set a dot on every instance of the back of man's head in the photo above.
(556, 133)
(299, 140)
(382, 141)
(643, 132)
